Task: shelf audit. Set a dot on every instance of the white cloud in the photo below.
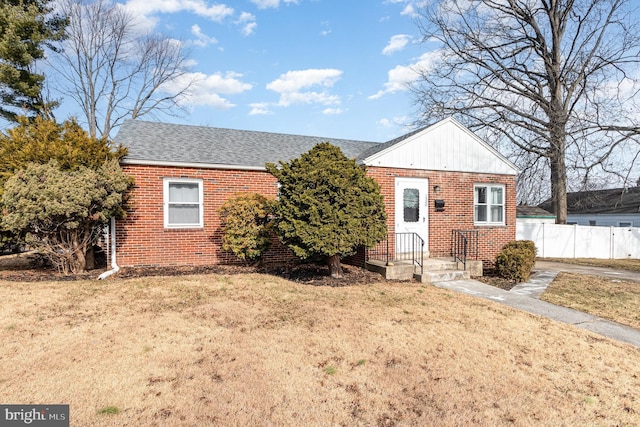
(295, 87)
(207, 89)
(408, 10)
(396, 43)
(292, 85)
(293, 81)
(248, 23)
(266, 4)
(385, 123)
(144, 8)
(326, 28)
(202, 39)
(402, 75)
(249, 29)
(260, 108)
(400, 121)
(323, 98)
(409, 6)
(332, 111)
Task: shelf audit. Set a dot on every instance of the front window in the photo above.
(183, 203)
(489, 204)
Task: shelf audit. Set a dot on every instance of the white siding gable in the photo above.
(444, 146)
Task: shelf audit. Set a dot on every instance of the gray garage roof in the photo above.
(170, 144)
(611, 201)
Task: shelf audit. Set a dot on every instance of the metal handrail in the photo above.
(408, 247)
(464, 242)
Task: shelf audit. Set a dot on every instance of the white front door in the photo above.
(412, 212)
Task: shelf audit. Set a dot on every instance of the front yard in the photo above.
(612, 299)
(254, 349)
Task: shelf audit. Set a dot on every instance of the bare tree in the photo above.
(112, 70)
(555, 82)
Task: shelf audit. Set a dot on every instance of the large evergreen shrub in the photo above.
(61, 213)
(328, 207)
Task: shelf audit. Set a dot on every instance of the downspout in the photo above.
(114, 265)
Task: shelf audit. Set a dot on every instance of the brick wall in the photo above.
(456, 189)
(142, 239)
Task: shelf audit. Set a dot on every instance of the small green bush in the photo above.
(246, 226)
(516, 260)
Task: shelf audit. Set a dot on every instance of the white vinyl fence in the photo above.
(580, 241)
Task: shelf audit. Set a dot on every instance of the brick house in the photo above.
(435, 180)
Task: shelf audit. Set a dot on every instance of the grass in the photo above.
(109, 410)
(623, 264)
(256, 350)
(612, 299)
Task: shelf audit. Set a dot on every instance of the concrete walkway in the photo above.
(525, 297)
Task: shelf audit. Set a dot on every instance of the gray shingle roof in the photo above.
(171, 143)
(524, 211)
(611, 201)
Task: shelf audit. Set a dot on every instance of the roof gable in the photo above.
(444, 146)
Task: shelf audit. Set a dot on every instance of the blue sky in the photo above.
(333, 68)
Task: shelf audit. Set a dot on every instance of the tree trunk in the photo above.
(79, 252)
(558, 174)
(90, 258)
(559, 189)
(335, 268)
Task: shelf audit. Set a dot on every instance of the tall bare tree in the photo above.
(112, 70)
(556, 82)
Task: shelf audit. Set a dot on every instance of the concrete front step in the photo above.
(393, 271)
(432, 276)
(435, 270)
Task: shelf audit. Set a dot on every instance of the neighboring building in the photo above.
(616, 207)
(434, 180)
(534, 214)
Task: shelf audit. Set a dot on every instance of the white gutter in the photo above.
(127, 161)
(114, 266)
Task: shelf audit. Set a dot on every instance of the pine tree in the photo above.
(328, 207)
(26, 27)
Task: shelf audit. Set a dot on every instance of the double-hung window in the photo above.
(488, 204)
(183, 203)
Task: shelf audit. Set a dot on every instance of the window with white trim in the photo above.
(183, 207)
(488, 204)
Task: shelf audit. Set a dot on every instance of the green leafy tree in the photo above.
(60, 212)
(328, 207)
(26, 28)
(246, 226)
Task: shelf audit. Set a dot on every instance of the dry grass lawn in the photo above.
(613, 299)
(622, 264)
(258, 350)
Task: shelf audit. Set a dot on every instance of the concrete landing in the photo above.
(434, 270)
